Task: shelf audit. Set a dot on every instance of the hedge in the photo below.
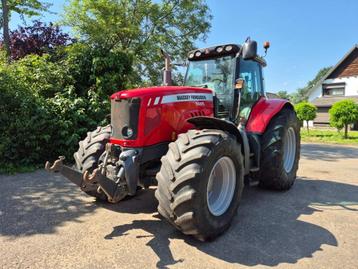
(45, 109)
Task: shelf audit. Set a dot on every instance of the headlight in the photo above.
(197, 54)
(219, 49)
(191, 55)
(228, 48)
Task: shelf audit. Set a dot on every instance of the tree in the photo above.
(301, 94)
(24, 8)
(5, 26)
(38, 38)
(141, 28)
(306, 112)
(342, 114)
(98, 70)
(283, 95)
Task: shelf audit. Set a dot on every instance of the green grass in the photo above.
(329, 136)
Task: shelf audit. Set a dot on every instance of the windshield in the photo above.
(216, 74)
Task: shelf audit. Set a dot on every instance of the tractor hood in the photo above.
(159, 91)
(148, 116)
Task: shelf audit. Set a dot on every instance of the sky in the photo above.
(305, 35)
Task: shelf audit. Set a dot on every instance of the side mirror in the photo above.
(249, 50)
(239, 84)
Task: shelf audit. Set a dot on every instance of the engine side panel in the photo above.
(164, 112)
(262, 113)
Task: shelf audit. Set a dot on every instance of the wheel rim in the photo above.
(221, 186)
(289, 150)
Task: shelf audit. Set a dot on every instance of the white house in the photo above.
(341, 82)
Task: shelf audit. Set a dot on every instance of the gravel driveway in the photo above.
(46, 222)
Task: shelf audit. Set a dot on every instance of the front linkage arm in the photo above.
(115, 190)
(125, 183)
(90, 182)
(71, 174)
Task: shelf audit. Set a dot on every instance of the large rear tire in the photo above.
(280, 152)
(88, 156)
(200, 182)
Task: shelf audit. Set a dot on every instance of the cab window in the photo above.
(250, 72)
(216, 74)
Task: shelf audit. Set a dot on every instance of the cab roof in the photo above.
(219, 51)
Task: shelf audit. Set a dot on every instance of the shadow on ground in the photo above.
(326, 152)
(36, 203)
(142, 203)
(266, 230)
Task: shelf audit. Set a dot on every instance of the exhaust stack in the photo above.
(167, 73)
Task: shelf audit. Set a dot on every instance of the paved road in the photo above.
(45, 222)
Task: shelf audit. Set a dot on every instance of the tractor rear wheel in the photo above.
(200, 182)
(90, 151)
(280, 152)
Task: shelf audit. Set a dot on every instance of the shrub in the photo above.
(25, 130)
(46, 108)
(34, 129)
(306, 112)
(342, 114)
(41, 75)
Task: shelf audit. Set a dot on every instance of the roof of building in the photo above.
(328, 101)
(334, 67)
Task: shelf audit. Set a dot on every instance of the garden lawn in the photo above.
(329, 136)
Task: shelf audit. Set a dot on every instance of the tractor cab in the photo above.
(219, 68)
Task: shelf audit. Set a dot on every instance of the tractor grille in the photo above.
(124, 118)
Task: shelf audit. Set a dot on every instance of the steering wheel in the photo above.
(220, 84)
(218, 79)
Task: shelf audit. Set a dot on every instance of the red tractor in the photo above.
(198, 142)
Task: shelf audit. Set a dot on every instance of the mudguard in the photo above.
(215, 123)
(262, 113)
(228, 126)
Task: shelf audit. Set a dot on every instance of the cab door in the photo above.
(251, 72)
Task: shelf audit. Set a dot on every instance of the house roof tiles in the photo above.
(328, 101)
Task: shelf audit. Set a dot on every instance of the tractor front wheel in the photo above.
(200, 182)
(89, 154)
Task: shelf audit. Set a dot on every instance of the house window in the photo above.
(336, 89)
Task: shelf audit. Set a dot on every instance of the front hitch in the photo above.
(71, 174)
(125, 182)
(115, 191)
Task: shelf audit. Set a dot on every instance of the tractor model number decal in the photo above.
(188, 97)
